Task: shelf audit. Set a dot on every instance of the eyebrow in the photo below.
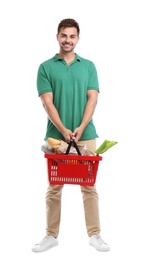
(63, 34)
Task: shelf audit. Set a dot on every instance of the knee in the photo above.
(54, 190)
(89, 191)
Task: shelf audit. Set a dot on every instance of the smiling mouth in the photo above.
(66, 44)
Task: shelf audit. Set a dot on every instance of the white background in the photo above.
(110, 37)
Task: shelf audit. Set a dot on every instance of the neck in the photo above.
(68, 57)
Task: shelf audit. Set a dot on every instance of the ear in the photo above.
(78, 39)
(57, 37)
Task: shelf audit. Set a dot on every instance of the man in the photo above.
(68, 87)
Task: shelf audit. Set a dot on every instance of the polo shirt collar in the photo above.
(77, 57)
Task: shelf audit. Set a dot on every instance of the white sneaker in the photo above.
(46, 243)
(98, 243)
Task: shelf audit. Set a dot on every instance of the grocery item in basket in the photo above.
(63, 148)
(54, 143)
(59, 146)
(85, 151)
(53, 146)
(46, 148)
(105, 146)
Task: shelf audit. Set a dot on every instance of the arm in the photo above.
(47, 101)
(92, 97)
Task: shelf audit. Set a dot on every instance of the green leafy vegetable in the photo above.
(105, 146)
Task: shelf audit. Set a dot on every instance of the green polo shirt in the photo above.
(69, 85)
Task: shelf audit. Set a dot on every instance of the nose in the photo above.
(67, 39)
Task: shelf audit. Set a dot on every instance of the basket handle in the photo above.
(75, 145)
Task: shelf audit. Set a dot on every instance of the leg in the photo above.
(90, 198)
(53, 209)
(91, 209)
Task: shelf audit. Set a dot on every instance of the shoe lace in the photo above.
(43, 241)
(100, 240)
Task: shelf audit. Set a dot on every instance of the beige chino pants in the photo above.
(90, 202)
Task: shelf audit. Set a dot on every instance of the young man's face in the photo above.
(67, 38)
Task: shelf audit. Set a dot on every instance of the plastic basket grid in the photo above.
(72, 169)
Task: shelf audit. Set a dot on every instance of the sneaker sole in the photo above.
(45, 249)
(100, 250)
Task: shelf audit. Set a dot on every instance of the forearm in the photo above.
(88, 112)
(47, 101)
(54, 117)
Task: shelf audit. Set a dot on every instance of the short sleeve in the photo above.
(43, 83)
(93, 78)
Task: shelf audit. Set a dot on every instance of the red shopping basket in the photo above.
(71, 168)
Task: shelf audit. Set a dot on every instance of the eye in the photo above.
(63, 36)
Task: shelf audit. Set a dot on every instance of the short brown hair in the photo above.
(68, 23)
